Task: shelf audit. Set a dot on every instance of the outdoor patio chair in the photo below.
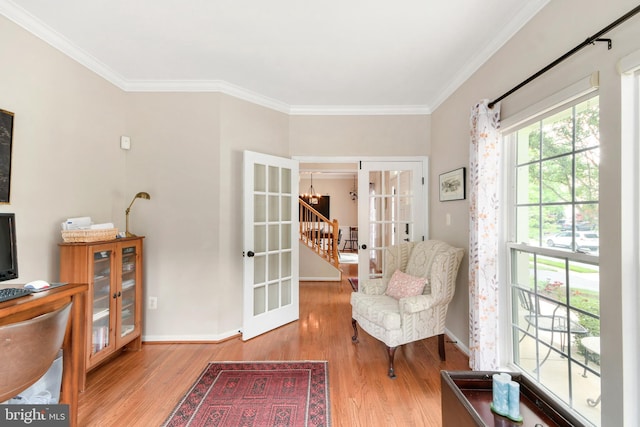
(554, 319)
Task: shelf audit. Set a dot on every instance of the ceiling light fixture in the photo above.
(312, 191)
(354, 192)
(312, 195)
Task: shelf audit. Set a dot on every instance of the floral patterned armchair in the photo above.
(408, 313)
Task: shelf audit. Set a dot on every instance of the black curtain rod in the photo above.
(591, 40)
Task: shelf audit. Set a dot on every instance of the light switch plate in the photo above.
(125, 142)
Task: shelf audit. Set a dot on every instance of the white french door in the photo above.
(392, 208)
(271, 281)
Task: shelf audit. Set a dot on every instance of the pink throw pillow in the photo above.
(403, 285)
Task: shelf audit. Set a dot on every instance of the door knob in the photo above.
(364, 246)
(250, 254)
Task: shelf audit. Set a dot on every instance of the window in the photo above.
(624, 393)
(554, 233)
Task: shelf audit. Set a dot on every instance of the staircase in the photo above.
(319, 233)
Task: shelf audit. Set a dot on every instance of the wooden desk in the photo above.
(73, 348)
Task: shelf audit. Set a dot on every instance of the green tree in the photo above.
(560, 144)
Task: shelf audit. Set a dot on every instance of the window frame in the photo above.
(628, 376)
(511, 246)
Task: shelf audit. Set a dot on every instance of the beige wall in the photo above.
(188, 156)
(175, 157)
(360, 135)
(545, 38)
(187, 150)
(315, 268)
(66, 158)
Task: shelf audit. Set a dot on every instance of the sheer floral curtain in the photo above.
(484, 206)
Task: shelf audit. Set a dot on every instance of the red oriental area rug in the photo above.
(256, 394)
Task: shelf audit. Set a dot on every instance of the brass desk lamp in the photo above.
(140, 195)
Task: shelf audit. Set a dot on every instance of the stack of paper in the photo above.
(80, 223)
(84, 223)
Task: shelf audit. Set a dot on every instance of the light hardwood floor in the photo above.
(141, 388)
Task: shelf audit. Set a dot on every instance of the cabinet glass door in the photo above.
(129, 285)
(101, 300)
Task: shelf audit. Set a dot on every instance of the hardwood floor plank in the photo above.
(142, 388)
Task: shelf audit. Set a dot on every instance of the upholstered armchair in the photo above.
(383, 309)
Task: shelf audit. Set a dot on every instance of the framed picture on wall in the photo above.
(6, 139)
(452, 185)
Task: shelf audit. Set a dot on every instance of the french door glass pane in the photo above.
(286, 292)
(274, 179)
(259, 181)
(259, 271)
(272, 236)
(260, 211)
(274, 266)
(260, 238)
(259, 299)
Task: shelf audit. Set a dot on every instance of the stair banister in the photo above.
(319, 233)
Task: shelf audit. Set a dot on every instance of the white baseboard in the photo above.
(191, 338)
(458, 343)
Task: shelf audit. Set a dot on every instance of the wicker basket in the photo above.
(83, 236)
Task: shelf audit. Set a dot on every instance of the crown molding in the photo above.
(30, 23)
(38, 28)
(220, 86)
(33, 25)
(359, 110)
(256, 98)
(505, 34)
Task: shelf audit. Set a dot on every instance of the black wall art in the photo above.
(6, 139)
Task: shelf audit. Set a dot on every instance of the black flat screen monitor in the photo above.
(8, 250)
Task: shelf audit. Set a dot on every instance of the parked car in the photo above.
(585, 240)
(567, 225)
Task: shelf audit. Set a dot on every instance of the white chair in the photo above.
(399, 321)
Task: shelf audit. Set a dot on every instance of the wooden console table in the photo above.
(73, 348)
(467, 395)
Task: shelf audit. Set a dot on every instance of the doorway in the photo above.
(335, 188)
(384, 199)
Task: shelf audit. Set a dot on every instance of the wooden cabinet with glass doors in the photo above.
(113, 270)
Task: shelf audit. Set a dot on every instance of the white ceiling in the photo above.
(297, 56)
